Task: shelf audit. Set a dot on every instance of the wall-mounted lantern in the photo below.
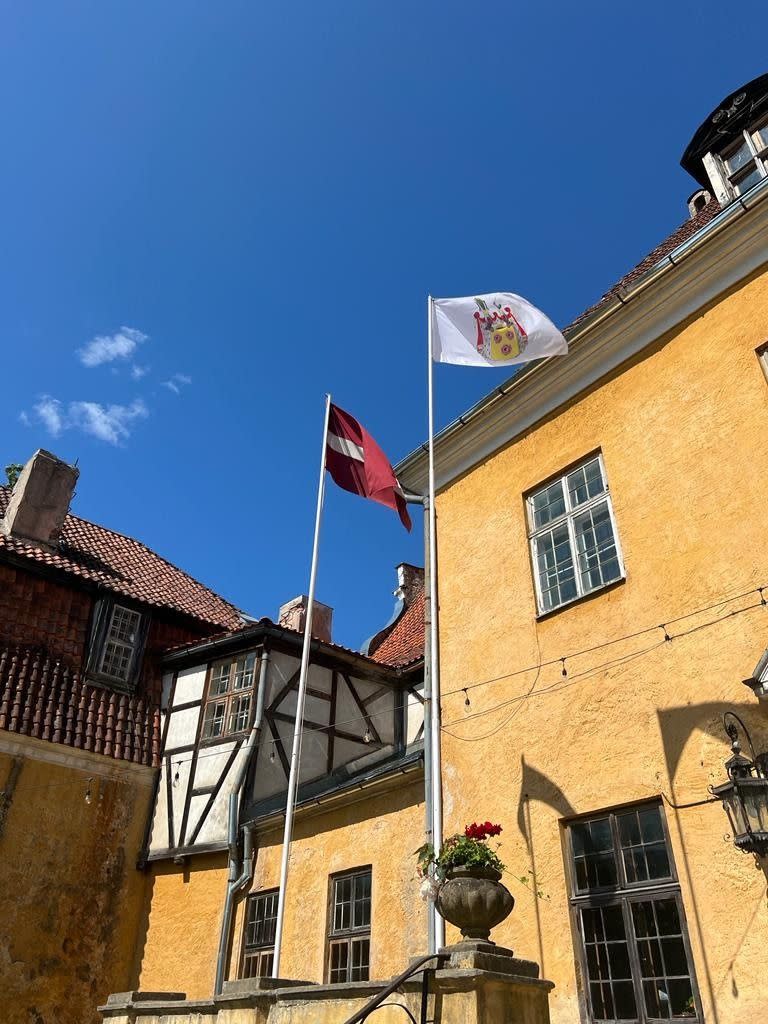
(745, 795)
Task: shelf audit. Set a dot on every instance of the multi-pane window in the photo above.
(574, 545)
(629, 918)
(120, 644)
(259, 938)
(349, 938)
(746, 162)
(230, 695)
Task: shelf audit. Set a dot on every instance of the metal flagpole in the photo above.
(434, 655)
(293, 776)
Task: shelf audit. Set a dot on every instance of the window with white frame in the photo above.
(745, 162)
(120, 643)
(574, 544)
(230, 695)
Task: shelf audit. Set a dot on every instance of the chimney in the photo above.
(698, 200)
(293, 615)
(410, 580)
(40, 500)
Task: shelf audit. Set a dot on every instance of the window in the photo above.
(230, 693)
(259, 939)
(118, 636)
(746, 161)
(762, 355)
(349, 938)
(120, 644)
(629, 918)
(574, 546)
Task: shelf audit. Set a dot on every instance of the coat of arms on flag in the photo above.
(492, 330)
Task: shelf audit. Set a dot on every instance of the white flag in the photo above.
(500, 329)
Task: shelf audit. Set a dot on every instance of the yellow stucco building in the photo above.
(601, 603)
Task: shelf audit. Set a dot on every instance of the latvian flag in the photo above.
(357, 464)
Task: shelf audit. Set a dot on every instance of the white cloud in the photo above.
(110, 423)
(137, 372)
(48, 411)
(24, 418)
(105, 348)
(176, 382)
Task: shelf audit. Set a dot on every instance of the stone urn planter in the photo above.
(474, 900)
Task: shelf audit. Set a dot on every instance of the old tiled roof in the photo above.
(404, 643)
(126, 567)
(678, 236)
(42, 697)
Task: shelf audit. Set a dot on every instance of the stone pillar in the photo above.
(483, 983)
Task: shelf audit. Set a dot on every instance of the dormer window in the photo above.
(746, 161)
(116, 646)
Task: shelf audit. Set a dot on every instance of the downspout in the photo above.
(239, 875)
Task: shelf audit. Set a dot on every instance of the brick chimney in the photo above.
(40, 500)
(293, 615)
(410, 581)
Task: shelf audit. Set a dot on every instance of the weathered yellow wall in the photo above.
(182, 935)
(70, 895)
(379, 828)
(683, 432)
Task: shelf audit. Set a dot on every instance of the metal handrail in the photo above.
(394, 985)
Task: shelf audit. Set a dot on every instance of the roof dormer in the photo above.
(729, 152)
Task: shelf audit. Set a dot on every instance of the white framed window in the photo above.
(229, 697)
(120, 643)
(574, 542)
(259, 939)
(745, 162)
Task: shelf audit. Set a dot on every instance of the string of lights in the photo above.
(567, 679)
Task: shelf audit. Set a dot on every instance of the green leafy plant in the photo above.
(467, 850)
(12, 472)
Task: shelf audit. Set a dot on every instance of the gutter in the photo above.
(267, 629)
(239, 874)
(731, 213)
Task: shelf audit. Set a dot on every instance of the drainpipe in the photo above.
(239, 875)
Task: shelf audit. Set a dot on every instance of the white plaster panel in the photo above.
(414, 711)
(281, 668)
(196, 808)
(179, 789)
(211, 762)
(190, 684)
(214, 828)
(159, 837)
(182, 728)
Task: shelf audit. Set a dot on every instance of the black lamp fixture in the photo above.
(745, 795)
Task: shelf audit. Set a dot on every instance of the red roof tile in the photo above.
(678, 236)
(124, 566)
(404, 643)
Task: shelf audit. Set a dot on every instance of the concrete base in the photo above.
(479, 983)
(476, 955)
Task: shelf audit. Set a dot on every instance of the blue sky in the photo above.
(215, 213)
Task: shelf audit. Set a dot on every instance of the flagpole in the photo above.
(434, 656)
(293, 776)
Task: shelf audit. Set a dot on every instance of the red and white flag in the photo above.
(357, 464)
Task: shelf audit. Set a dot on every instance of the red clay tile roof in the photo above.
(42, 697)
(126, 567)
(405, 641)
(678, 236)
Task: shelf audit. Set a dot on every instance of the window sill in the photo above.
(106, 683)
(212, 741)
(540, 616)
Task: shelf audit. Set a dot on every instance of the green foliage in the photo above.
(12, 471)
(458, 851)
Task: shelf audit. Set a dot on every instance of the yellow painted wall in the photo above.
(380, 828)
(184, 921)
(683, 432)
(70, 895)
